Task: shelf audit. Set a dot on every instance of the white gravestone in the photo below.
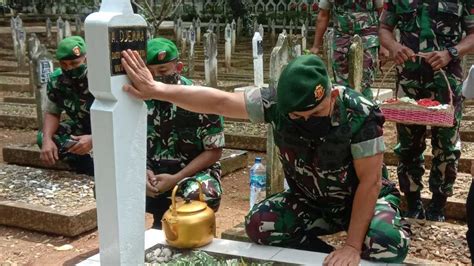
(261, 30)
(118, 131)
(67, 29)
(48, 28)
(14, 30)
(59, 30)
(210, 59)
(234, 34)
(211, 25)
(179, 28)
(239, 27)
(198, 31)
(291, 27)
(304, 33)
(78, 24)
(218, 30)
(21, 40)
(257, 47)
(273, 33)
(278, 60)
(192, 42)
(228, 46)
(184, 38)
(43, 66)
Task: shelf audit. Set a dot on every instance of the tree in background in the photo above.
(156, 13)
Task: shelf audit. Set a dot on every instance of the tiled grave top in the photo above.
(236, 248)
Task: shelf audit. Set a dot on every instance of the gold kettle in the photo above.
(189, 224)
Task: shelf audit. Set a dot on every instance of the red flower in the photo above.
(304, 7)
(315, 7)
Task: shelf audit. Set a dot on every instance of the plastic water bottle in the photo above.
(258, 180)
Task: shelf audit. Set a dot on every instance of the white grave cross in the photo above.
(118, 131)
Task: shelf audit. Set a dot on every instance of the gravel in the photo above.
(60, 190)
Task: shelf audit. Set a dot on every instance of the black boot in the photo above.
(435, 210)
(415, 206)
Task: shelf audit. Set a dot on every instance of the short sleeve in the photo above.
(389, 16)
(325, 4)
(468, 16)
(212, 132)
(254, 104)
(368, 139)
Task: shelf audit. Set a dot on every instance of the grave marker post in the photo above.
(118, 131)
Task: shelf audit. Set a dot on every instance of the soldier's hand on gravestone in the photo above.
(437, 59)
(400, 53)
(143, 85)
(166, 182)
(83, 145)
(151, 190)
(347, 255)
(49, 152)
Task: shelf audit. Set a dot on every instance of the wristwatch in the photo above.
(453, 52)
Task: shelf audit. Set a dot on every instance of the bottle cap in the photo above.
(258, 160)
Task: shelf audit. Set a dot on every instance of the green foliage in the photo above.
(203, 258)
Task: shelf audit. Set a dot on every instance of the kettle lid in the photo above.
(190, 206)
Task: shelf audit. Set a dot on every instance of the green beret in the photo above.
(160, 51)
(303, 84)
(71, 48)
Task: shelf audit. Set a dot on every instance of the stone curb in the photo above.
(44, 219)
(13, 121)
(24, 100)
(15, 87)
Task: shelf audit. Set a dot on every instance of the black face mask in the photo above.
(314, 127)
(169, 79)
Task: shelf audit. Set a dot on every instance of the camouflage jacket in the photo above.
(429, 25)
(355, 17)
(323, 170)
(176, 136)
(71, 96)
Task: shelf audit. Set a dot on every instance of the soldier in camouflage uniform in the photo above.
(350, 17)
(179, 143)
(433, 30)
(68, 91)
(331, 148)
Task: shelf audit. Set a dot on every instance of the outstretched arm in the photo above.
(197, 99)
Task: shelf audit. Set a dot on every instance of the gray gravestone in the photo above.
(192, 42)
(218, 30)
(198, 31)
(59, 30)
(184, 37)
(211, 25)
(78, 24)
(228, 45)
(43, 67)
(239, 27)
(304, 34)
(234, 34)
(67, 29)
(291, 27)
(210, 59)
(278, 60)
(48, 28)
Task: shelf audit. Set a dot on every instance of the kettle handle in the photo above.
(178, 185)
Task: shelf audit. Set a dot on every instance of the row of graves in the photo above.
(57, 201)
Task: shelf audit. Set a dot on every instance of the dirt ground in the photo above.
(18, 246)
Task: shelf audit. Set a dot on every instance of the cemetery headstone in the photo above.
(261, 30)
(239, 27)
(228, 46)
(60, 30)
(278, 60)
(234, 34)
(198, 31)
(291, 27)
(67, 29)
(54, 9)
(184, 38)
(257, 51)
(210, 59)
(218, 30)
(255, 25)
(304, 33)
(118, 131)
(192, 42)
(48, 28)
(21, 42)
(78, 24)
(273, 33)
(179, 29)
(43, 67)
(211, 25)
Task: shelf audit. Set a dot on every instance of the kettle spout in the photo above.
(170, 232)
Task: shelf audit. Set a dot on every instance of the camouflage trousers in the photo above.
(290, 220)
(82, 164)
(445, 142)
(212, 191)
(340, 64)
